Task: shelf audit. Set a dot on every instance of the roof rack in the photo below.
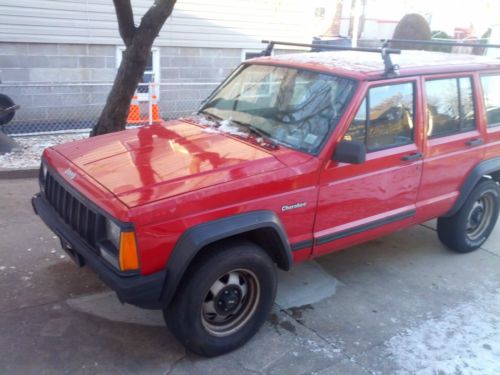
(438, 43)
(390, 68)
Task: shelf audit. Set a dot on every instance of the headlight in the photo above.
(124, 256)
(113, 233)
(44, 171)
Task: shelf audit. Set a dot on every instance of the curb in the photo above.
(7, 174)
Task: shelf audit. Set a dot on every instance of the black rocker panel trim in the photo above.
(302, 245)
(362, 228)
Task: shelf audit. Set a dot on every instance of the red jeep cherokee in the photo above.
(292, 157)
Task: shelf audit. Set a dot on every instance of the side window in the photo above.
(450, 106)
(491, 92)
(385, 118)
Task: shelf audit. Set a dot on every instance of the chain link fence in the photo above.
(51, 108)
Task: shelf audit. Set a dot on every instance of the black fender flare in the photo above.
(485, 167)
(196, 238)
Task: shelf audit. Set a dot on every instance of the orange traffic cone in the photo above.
(134, 113)
(155, 109)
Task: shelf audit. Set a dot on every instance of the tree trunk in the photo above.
(334, 28)
(138, 42)
(114, 115)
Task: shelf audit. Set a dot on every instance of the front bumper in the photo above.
(142, 291)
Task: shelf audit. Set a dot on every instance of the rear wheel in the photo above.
(471, 226)
(224, 299)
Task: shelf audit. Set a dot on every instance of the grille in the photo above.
(79, 217)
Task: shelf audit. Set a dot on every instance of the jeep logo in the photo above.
(293, 206)
(70, 174)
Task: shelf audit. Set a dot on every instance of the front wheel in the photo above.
(224, 299)
(471, 226)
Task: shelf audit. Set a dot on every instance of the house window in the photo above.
(319, 13)
(250, 54)
(450, 106)
(385, 118)
(151, 73)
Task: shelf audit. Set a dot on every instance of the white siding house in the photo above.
(64, 42)
(194, 23)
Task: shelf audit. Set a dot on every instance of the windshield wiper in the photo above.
(261, 133)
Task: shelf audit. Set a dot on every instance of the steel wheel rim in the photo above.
(240, 308)
(480, 216)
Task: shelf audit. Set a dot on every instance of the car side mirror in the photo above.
(350, 152)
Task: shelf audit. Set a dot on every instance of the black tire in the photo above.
(471, 226)
(6, 102)
(244, 279)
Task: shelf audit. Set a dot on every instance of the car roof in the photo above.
(369, 66)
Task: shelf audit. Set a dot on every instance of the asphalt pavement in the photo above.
(402, 304)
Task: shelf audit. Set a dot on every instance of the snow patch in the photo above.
(202, 120)
(30, 149)
(465, 340)
(227, 127)
(224, 126)
(324, 349)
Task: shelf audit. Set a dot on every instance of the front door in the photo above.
(362, 201)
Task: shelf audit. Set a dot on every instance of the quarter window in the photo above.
(385, 118)
(491, 92)
(450, 106)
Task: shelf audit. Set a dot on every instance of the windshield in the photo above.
(292, 107)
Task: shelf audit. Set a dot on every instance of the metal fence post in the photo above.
(150, 104)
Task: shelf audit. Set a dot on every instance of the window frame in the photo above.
(456, 77)
(366, 97)
(495, 125)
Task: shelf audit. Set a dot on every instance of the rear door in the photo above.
(362, 201)
(490, 83)
(455, 143)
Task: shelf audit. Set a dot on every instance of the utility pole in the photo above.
(356, 15)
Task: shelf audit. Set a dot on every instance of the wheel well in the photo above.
(266, 238)
(495, 175)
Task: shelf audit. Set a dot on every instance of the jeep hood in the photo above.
(155, 162)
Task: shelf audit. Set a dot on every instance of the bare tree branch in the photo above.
(125, 16)
(155, 17)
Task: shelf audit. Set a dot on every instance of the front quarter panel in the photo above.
(159, 225)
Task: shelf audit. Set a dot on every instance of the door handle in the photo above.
(475, 142)
(413, 157)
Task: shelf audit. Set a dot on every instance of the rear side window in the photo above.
(491, 92)
(385, 118)
(450, 106)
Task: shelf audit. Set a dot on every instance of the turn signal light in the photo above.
(129, 260)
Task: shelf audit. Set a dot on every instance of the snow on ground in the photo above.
(31, 147)
(464, 340)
